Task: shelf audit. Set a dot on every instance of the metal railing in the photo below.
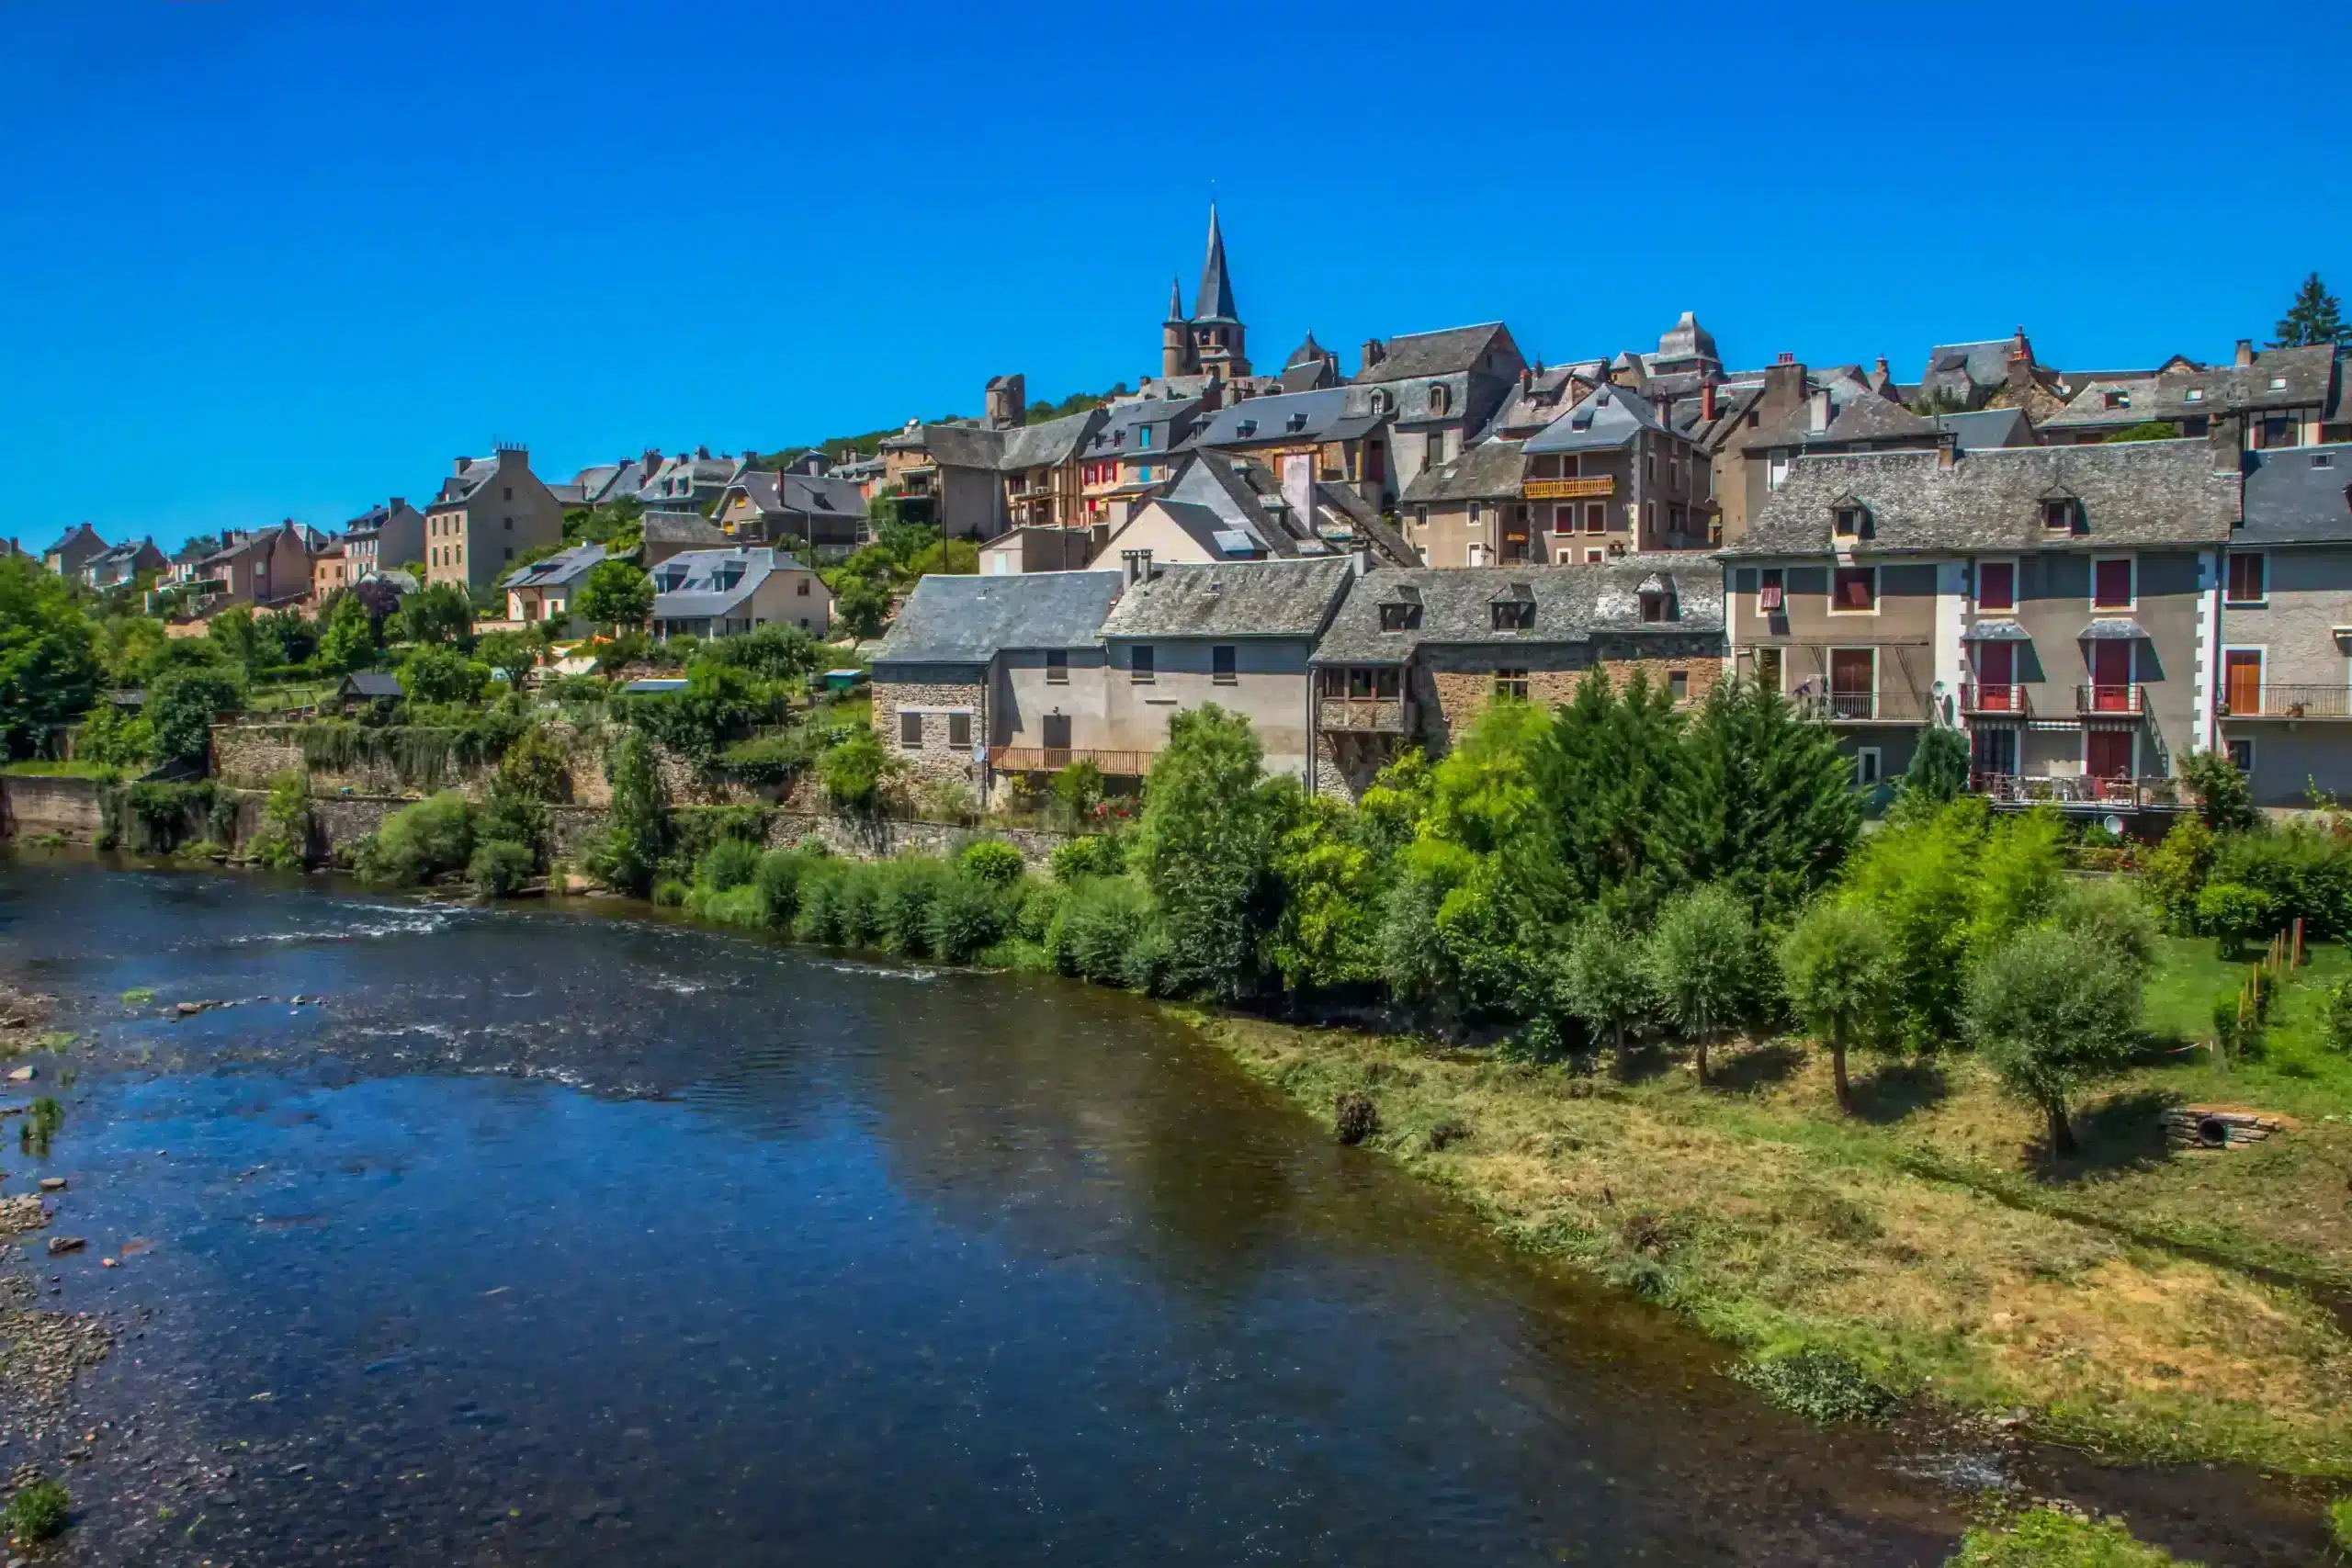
(1054, 759)
(1863, 707)
(2007, 698)
(2099, 699)
(2133, 793)
(2290, 702)
(1374, 715)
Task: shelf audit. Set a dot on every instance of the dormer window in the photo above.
(1396, 617)
(2278, 383)
(2061, 511)
(1514, 609)
(1658, 607)
(1849, 519)
(2118, 400)
(1296, 421)
(1245, 429)
(2194, 395)
(1380, 404)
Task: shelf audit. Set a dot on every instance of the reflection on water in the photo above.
(544, 1238)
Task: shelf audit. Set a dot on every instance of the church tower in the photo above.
(1176, 357)
(1219, 340)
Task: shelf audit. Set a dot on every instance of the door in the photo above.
(2242, 680)
(1852, 680)
(2111, 676)
(1056, 727)
(1996, 667)
(1995, 752)
(2111, 754)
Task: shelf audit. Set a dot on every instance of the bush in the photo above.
(2339, 1017)
(1837, 969)
(778, 883)
(969, 914)
(420, 842)
(854, 773)
(668, 893)
(536, 766)
(1105, 929)
(1703, 965)
(2238, 915)
(39, 1511)
(435, 674)
(2303, 870)
(2339, 1524)
(730, 862)
(182, 706)
(499, 866)
(637, 831)
(1818, 1384)
(768, 760)
(283, 840)
(2225, 801)
(907, 890)
(1103, 854)
(1354, 1117)
(991, 860)
(2113, 917)
(2054, 1010)
(2048, 1538)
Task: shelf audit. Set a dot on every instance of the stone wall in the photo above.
(935, 758)
(879, 839)
(35, 807)
(250, 756)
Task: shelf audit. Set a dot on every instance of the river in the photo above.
(575, 1236)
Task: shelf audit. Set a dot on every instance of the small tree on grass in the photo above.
(517, 653)
(1839, 969)
(1701, 963)
(2223, 799)
(181, 706)
(1212, 823)
(442, 675)
(1603, 984)
(2239, 916)
(350, 641)
(2054, 1010)
(440, 613)
(1077, 790)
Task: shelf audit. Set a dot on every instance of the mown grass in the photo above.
(34, 769)
(2146, 1303)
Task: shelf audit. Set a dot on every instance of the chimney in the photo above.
(702, 452)
(1373, 353)
(399, 501)
(1526, 377)
(2245, 352)
(2225, 441)
(1784, 387)
(1947, 450)
(458, 467)
(1707, 402)
(1137, 565)
(1817, 416)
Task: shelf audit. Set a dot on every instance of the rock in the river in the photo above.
(59, 1244)
(1356, 1116)
(53, 1184)
(22, 1075)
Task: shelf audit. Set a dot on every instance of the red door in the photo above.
(2111, 676)
(2111, 754)
(1997, 665)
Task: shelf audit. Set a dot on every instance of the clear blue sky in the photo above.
(264, 258)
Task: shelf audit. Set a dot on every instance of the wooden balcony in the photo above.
(1569, 489)
(2289, 702)
(1998, 701)
(1054, 759)
(1364, 715)
(2093, 701)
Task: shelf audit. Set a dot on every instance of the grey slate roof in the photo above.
(813, 494)
(1862, 415)
(1605, 421)
(371, 683)
(2299, 495)
(711, 582)
(1986, 427)
(1320, 415)
(79, 532)
(1572, 603)
(1453, 352)
(461, 486)
(1490, 470)
(1239, 599)
(683, 528)
(2141, 492)
(1117, 434)
(1214, 300)
(1042, 445)
(970, 620)
(2307, 376)
(564, 566)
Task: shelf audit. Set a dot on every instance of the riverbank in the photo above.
(2142, 1305)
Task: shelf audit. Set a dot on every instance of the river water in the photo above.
(566, 1236)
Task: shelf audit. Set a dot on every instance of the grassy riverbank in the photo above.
(2151, 1304)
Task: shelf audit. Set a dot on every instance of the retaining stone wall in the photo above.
(34, 807)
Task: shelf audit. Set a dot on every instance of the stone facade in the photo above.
(936, 701)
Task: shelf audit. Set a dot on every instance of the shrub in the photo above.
(2238, 915)
(969, 914)
(2303, 871)
(436, 674)
(855, 771)
(1104, 930)
(420, 842)
(768, 760)
(1354, 1117)
(2339, 1524)
(637, 831)
(730, 862)
(39, 1511)
(1077, 790)
(668, 893)
(992, 861)
(2113, 917)
(536, 766)
(1103, 854)
(283, 840)
(181, 706)
(1818, 1384)
(778, 883)
(1703, 966)
(1603, 984)
(2339, 1017)
(2050, 1537)
(2223, 799)
(903, 899)
(1838, 971)
(2054, 1010)
(1212, 822)
(2176, 869)
(499, 866)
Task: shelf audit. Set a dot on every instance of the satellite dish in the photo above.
(2113, 824)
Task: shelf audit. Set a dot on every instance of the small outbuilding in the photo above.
(366, 687)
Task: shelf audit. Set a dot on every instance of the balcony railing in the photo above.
(1054, 759)
(1382, 715)
(2093, 700)
(1569, 489)
(2005, 700)
(2290, 702)
(2080, 790)
(1863, 707)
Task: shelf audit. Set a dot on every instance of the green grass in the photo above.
(2046, 1538)
(105, 772)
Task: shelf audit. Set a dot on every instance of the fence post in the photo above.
(2298, 942)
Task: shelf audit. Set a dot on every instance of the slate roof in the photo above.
(1572, 603)
(79, 532)
(1861, 415)
(970, 620)
(1490, 470)
(371, 683)
(1042, 445)
(1985, 364)
(1605, 421)
(2307, 376)
(564, 566)
(1233, 598)
(820, 495)
(2141, 492)
(1116, 436)
(462, 485)
(1986, 427)
(1221, 487)
(2299, 495)
(700, 595)
(1320, 415)
(1214, 300)
(1543, 398)
(1455, 351)
(1360, 517)
(683, 528)
(1219, 536)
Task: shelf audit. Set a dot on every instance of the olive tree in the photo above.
(1839, 969)
(1603, 984)
(1702, 964)
(2053, 1010)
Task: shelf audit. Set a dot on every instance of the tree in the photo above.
(231, 632)
(382, 599)
(2223, 799)
(2146, 430)
(49, 671)
(617, 595)
(1838, 971)
(1763, 801)
(439, 612)
(2238, 916)
(770, 652)
(1211, 824)
(182, 704)
(1702, 964)
(2317, 316)
(637, 831)
(2176, 869)
(2054, 1010)
(513, 652)
(1603, 984)
(350, 639)
(862, 601)
(1938, 775)
(442, 675)
(1611, 774)
(283, 637)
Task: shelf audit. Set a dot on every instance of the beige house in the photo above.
(2283, 696)
(490, 511)
(727, 592)
(545, 589)
(1018, 551)
(267, 569)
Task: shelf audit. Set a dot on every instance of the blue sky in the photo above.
(264, 259)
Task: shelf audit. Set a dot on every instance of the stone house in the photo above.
(2059, 605)
(490, 511)
(1308, 438)
(385, 538)
(666, 533)
(2277, 397)
(823, 516)
(973, 481)
(725, 592)
(997, 674)
(1436, 391)
(1223, 508)
(75, 549)
(265, 569)
(2284, 694)
(1413, 657)
(1126, 460)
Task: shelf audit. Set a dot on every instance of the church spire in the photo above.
(1176, 298)
(1214, 301)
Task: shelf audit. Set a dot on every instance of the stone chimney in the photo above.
(1947, 450)
(1784, 387)
(2245, 352)
(2021, 362)
(1374, 351)
(1816, 419)
(397, 501)
(459, 465)
(1137, 564)
(2225, 440)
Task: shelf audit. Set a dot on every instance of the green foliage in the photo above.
(1334, 868)
(2240, 916)
(48, 667)
(1611, 771)
(439, 614)
(854, 771)
(282, 637)
(778, 883)
(969, 914)
(637, 830)
(499, 866)
(2112, 916)
(2317, 316)
(182, 704)
(719, 702)
(2175, 870)
(991, 860)
(1106, 929)
(1098, 854)
(2224, 799)
(769, 761)
(233, 642)
(862, 600)
(2339, 1524)
(1818, 1384)
(2301, 869)
(116, 737)
(437, 674)
(615, 595)
(1703, 965)
(730, 862)
(1603, 983)
(671, 892)
(2050, 1537)
(766, 653)
(2146, 430)
(423, 756)
(419, 843)
(619, 525)
(1077, 790)
(157, 818)
(2054, 1010)
(537, 767)
(1837, 970)
(1763, 801)
(39, 1511)
(517, 653)
(1938, 775)
(2339, 1017)
(351, 636)
(283, 839)
(1211, 826)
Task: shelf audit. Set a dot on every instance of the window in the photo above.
(1658, 607)
(1139, 665)
(2195, 395)
(2279, 430)
(2323, 460)
(509, 523)
(510, 492)
(2246, 580)
(2278, 383)
(1143, 437)
(1056, 666)
(1596, 517)
(803, 588)
(910, 731)
(1768, 600)
(1996, 585)
(1867, 771)
(1593, 558)
(1777, 474)
(510, 552)
(1854, 591)
(1420, 517)
(1511, 683)
(1852, 521)
(1396, 616)
(959, 731)
(1440, 397)
(1768, 670)
(2118, 400)
(2242, 755)
(1678, 684)
(2058, 514)
(1475, 515)
(2112, 583)
(1221, 666)
(1514, 614)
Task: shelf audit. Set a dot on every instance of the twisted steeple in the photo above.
(1214, 300)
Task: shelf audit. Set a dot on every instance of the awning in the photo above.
(1995, 631)
(2112, 631)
